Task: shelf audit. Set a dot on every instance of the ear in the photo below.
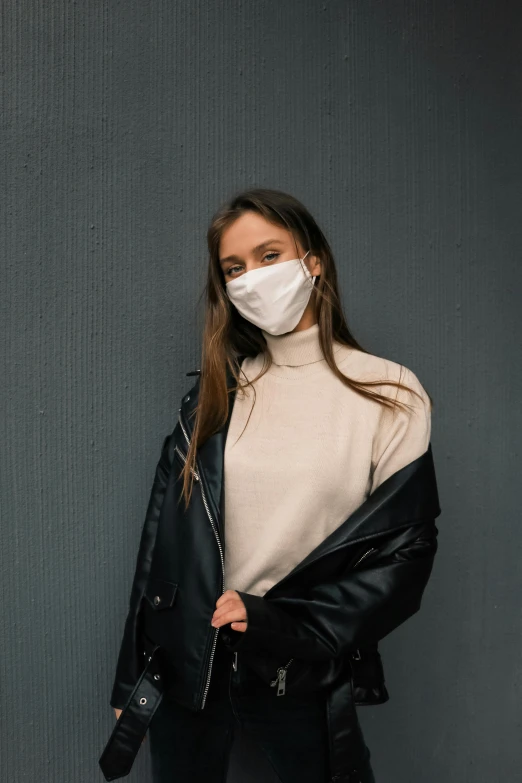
(315, 265)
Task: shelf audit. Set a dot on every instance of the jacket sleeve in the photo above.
(130, 663)
(360, 607)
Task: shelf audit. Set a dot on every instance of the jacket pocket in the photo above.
(367, 552)
(295, 676)
(160, 593)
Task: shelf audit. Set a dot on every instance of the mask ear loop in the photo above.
(314, 278)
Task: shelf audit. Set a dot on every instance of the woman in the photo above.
(313, 457)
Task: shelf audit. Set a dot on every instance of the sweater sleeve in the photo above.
(403, 435)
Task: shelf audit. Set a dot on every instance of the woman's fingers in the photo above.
(224, 616)
(229, 608)
(228, 595)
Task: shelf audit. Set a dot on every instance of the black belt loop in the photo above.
(127, 735)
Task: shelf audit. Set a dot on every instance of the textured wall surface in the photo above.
(123, 127)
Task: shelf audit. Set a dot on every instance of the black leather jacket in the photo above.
(317, 628)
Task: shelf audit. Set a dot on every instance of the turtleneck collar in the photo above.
(295, 348)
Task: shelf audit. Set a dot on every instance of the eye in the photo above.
(230, 270)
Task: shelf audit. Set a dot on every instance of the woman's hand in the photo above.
(230, 609)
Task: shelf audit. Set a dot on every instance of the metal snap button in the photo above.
(143, 700)
(157, 600)
(156, 676)
(187, 398)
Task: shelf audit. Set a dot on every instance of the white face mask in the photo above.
(273, 297)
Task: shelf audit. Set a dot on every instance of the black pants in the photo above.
(288, 734)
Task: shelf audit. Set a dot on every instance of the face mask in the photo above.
(273, 297)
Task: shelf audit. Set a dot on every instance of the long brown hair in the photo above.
(227, 336)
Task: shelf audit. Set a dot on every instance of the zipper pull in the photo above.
(280, 681)
(234, 663)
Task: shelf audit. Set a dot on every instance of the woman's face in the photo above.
(251, 242)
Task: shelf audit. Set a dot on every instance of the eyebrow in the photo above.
(256, 250)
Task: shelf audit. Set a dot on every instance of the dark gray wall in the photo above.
(124, 125)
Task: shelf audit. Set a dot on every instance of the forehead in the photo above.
(249, 230)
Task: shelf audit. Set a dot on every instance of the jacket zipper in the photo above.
(184, 458)
(369, 551)
(214, 528)
(280, 679)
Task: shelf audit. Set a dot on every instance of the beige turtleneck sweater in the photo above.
(311, 453)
